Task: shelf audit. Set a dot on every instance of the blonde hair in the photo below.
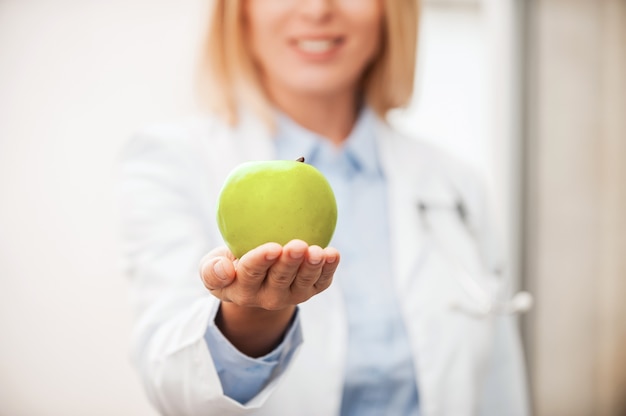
(228, 76)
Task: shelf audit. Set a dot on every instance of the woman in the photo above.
(268, 334)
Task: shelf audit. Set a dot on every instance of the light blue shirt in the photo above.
(380, 376)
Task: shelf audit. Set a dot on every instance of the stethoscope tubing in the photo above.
(484, 305)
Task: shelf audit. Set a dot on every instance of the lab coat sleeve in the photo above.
(165, 233)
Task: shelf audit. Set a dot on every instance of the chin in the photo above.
(320, 87)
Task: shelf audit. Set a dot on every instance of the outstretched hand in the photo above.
(270, 276)
(259, 291)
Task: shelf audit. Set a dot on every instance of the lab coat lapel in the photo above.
(228, 147)
(425, 282)
(402, 170)
(255, 138)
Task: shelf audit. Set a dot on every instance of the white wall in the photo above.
(450, 105)
(76, 78)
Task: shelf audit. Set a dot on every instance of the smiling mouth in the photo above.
(317, 46)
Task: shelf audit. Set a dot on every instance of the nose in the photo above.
(316, 10)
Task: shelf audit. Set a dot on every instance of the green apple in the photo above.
(275, 201)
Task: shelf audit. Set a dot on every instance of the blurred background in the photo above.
(530, 92)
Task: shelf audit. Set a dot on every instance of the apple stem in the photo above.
(300, 159)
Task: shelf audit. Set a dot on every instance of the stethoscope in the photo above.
(484, 304)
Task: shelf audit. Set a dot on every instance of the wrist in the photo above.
(252, 330)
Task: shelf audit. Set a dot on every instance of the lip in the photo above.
(317, 48)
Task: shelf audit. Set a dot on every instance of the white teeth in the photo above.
(315, 46)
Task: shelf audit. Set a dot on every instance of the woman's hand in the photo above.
(270, 276)
(259, 291)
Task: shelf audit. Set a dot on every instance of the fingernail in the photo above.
(331, 260)
(315, 260)
(272, 256)
(296, 254)
(218, 269)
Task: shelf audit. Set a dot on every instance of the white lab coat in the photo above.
(171, 175)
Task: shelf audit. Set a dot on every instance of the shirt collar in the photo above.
(294, 141)
(360, 146)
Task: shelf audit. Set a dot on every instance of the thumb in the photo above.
(217, 272)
